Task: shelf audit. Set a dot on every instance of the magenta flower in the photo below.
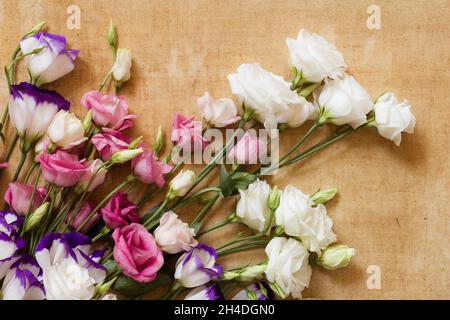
(109, 142)
(18, 197)
(81, 216)
(136, 253)
(149, 169)
(61, 168)
(108, 110)
(119, 211)
(187, 133)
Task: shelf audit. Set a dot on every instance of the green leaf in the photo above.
(132, 289)
(226, 182)
(241, 180)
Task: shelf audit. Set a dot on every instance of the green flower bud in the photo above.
(159, 143)
(112, 36)
(336, 257)
(277, 290)
(103, 288)
(87, 121)
(322, 196)
(274, 198)
(37, 28)
(135, 143)
(246, 273)
(125, 155)
(36, 216)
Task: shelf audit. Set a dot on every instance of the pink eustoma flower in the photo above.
(109, 142)
(148, 169)
(81, 216)
(18, 197)
(187, 133)
(136, 253)
(108, 110)
(61, 168)
(247, 150)
(119, 211)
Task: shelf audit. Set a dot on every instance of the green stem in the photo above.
(11, 147)
(250, 245)
(253, 237)
(150, 223)
(102, 85)
(216, 226)
(30, 171)
(198, 219)
(23, 157)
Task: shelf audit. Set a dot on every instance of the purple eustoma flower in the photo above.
(197, 266)
(23, 280)
(52, 62)
(210, 292)
(10, 242)
(32, 109)
(256, 291)
(70, 269)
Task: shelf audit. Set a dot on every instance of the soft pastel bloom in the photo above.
(70, 269)
(314, 57)
(344, 101)
(136, 253)
(18, 197)
(122, 65)
(81, 216)
(269, 95)
(299, 218)
(65, 130)
(32, 110)
(197, 267)
(3, 165)
(174, 235)
(110, 142)
(209, 292)
(256, 291)
(61, 168)
(253, 206)
(393, 117)
(218, 113)
(120, 211)
(93, 176)
(10, 242)
(288, 265)
(336, 257)
(51, 63)
(248, 149)
(109, 296)
(23, 280)
(301, 113)
(108, 110)
(182, 183)
(148, 169)
(187, 133)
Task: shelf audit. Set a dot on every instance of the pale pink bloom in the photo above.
(108, 110)
(136, 253)
(18, 197)
(94, 172)
(174, 235)
(219, 113)
(109, 142)
(149, 169)
(248, 149)
(81, 216)
(187, 133)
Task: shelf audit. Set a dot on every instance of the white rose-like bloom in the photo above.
(269, 95)
(302, 112)
(109, 296)
(344, 101)
(253, 207)
(315, 57)
(288, 265)
(299, 219)
(392, 118)
(218, 113)
(66, 130)
(181, 184)
(68, 280)
(122, 66)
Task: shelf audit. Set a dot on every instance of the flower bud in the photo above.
(122, 66)
(36, 216)
(245, 274)
(125, 155)
(159, 143)
(135, 143)
(37, 28)
(181, 184)
(274, 198)
(87, 121)
(66, 130)
(323, 196)
(336, 257)
(277, 290)
(112, 36)
(102, 288)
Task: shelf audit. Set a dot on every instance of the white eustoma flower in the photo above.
(344, 101)
(181, 184)
(299, 218)
(253, 206)
(392, 117)
(66, 130)
(52, 62)
(70, 270)
(109, 296)
(288, 265)
(269, 95)
(315, 57)
(122, 66)
(218, 112)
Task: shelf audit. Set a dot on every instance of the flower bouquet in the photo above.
(56, 243)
